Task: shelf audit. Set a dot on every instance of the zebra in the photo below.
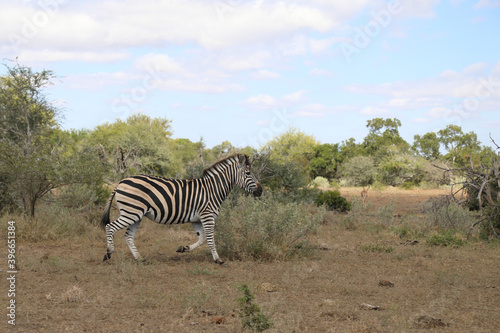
(169, 201)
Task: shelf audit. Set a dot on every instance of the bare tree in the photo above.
(479, 189)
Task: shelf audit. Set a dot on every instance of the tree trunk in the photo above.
(32, 208)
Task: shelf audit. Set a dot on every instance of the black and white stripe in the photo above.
(169, 201)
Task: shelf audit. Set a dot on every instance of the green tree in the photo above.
(460, 146)
(140, 144)
(325, 161)
(34, 158)
(427, 145)
(293, 145)
(185, 154)
(398, 169)
(359, 170)
(289, 158)
(383, 133)
(349, 149)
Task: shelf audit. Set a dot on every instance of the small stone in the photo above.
(219, 320)
(209, 312)
(328, 302)
(365, 306)
(385, 283)
(268, 287)
(427, 322)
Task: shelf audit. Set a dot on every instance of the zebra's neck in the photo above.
(220, 181)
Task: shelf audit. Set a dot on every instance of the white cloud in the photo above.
(450, 94)
(301, 44)
(339, 9)
(487, 4)
(308, 114)
(320, 72)
(447, 85)
(318, 110)
(46, 55)
(417, 8)
(375, 111)
(420, 120)
(202, 87)
(158, 62)
(193, 76)
(440, 112)
(264, 74)
(265, 102)
(96, 81)
(241, 61)
(398, 102)
(296, 97)
(476, 68)
(477, 19)
(496, 69)
(114, 24)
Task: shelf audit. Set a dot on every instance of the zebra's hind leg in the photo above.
(198, 228)
(129, 238)
(111, 228)
(111, 245)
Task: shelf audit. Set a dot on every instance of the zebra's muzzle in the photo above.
(258, 191)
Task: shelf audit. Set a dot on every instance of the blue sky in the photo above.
(246, 71)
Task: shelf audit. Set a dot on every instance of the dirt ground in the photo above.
(64, 286)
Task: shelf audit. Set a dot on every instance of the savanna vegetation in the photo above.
(54, 183)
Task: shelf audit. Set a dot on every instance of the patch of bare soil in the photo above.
(64, 286)
(405, 201)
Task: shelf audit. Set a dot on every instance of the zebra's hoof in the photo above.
(222, 263)
(181, 249)
(106, 256)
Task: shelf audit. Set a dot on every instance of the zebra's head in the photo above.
(246, 179)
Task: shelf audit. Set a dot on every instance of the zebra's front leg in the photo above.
(209, 227)
(198, 229)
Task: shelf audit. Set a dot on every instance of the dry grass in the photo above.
(63, 286)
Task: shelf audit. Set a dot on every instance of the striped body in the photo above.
(164, 201)
(169, 201)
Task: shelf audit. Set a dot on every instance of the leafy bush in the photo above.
(406, 232)
(265, 229)
(448, 238)
(333, 201)
(250, 314)
(286, 178)
(448, 215)
(401, 169)
(52, 223)
(321, 182)
(359, 171)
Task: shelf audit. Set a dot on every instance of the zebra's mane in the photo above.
(236, 157)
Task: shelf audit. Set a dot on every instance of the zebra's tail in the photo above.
(105, 216)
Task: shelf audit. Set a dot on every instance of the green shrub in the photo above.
(333, 201)
(490, 227)
(359, 171)
(448, 215)
(52, 223)
(448, 238)
(266, 229)
(405, 232)
(321, 182)
(250, 314)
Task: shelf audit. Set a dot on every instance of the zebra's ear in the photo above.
(244, 160)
